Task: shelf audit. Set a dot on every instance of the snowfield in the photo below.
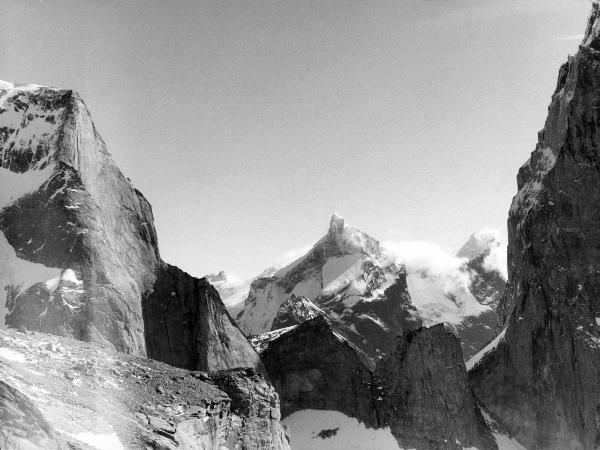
(313, 429)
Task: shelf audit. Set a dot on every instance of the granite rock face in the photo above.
(420, 391)
(78, 246)
(541, 378)
(186, 325)
(424, 395)
(313, 367)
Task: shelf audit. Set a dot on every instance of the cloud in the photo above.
(496, 260)
(574, 37)
(447, 270)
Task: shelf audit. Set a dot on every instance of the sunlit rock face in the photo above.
(542, 378)
(79, 250)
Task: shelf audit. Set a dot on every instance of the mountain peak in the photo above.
(336, 225)
(592, 32)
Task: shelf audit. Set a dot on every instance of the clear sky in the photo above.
(247, 123)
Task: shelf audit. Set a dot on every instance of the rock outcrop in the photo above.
(541, 377)
(79, 249)
(420, 391)
(88, 396)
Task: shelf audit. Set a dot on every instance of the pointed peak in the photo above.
(592, 32)
(336, 225)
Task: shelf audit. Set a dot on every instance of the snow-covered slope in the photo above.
(383, 290)
(312, 429)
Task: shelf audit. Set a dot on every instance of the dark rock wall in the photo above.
(188, 326)
(542, 382)
(421, 391)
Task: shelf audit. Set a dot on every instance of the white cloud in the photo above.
(496, 260)
(574, 37)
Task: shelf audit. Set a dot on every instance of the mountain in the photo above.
(79, 250)
(377, 293)
(60, 393)
(540, 377)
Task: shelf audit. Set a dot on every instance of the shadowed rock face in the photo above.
(188, 326)
(542, 381)
(424, 395)
(313, 367)
(86, 222)
(421, 391)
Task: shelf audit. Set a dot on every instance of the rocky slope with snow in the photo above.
(420, 393)
(541, 377)
(375, 292)
(78, 248)
(61, 393)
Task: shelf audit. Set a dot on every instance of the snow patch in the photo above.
(15, 185)
(11, 355)
(339, 272)
(330, 430)
(18, 273)
(99, 441)
(476, 359)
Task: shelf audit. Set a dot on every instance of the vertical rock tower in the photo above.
(541, 379)
(78, 249)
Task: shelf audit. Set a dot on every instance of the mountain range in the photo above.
(353, 344)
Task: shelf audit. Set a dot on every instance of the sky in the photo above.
(246, 124)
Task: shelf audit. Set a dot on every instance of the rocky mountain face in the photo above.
(541, 377)
(79, 250)
(59, 393)
(346, 275)
(349, 277)
(420, 392)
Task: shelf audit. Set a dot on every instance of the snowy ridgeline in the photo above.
(350, 267)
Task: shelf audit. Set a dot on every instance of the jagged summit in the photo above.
(336, 225)
(591, 37)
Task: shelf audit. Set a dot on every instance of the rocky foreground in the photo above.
(60, 393)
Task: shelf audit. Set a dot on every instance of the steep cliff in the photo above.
(78, 246)
(420, 392)
(540, 378)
